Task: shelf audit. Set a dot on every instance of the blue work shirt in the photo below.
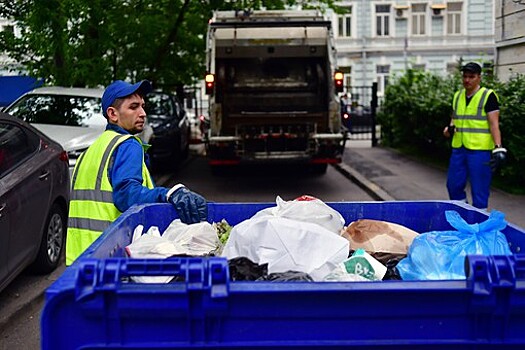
(125, 175)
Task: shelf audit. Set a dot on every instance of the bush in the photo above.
(415, 110)
(417, 106)
(512, 123)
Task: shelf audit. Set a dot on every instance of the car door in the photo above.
(26, 191)
(5, 168)
(4, 233)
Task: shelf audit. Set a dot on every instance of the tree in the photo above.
(93, 42)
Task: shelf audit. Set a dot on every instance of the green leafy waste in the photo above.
(223, 230)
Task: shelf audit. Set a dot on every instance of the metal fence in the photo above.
(358, 112)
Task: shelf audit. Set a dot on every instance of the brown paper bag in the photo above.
(382, 239)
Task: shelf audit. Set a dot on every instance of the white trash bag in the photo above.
(287, 239)
(178, 239)
(306, 209)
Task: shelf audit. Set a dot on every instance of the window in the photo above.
(383, 72)
(419, 13)
(59, 110)
(382, 20)
(454, 17)
(159, 105)
(15, 146)
(345, 23)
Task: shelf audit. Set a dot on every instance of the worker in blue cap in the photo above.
(111, 175)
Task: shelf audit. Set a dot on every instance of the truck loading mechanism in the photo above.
(273, 96)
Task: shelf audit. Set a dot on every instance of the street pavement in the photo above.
(389, 175)
(383, 172)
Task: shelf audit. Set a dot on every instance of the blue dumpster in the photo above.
(93, 305)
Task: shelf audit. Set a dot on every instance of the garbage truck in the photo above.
(273, 86)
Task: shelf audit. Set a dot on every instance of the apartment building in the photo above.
(377, 39)
(510, 38)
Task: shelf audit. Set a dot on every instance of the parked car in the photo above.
(71, 116)
(34, 199)
(171, 130)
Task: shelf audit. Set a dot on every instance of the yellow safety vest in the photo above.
(91, 208)
(472, 125)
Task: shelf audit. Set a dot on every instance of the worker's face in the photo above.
(471, 81)
(130, 115)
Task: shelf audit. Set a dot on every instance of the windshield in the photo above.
(59, 110)
(160, 106)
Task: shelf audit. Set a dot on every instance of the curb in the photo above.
(369, 187)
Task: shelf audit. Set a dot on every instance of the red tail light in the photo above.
(210, 83)
(338, 79)
(63, 157)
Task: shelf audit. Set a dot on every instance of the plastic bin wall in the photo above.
(91, 306)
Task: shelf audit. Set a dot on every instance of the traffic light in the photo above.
(210, 83)
(339, 79)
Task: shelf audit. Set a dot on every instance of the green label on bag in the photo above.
(359, 265)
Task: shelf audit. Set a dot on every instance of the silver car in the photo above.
(71, 116)
(34, 200)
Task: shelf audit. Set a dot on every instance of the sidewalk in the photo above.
(390, 175)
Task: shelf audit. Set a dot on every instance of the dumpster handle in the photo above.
(106, 274)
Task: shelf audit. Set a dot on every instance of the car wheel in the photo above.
(52, 243)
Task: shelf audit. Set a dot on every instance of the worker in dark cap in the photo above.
(111, 175)
(477, 151)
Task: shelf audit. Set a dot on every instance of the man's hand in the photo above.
(190, 206)
(449, 130)
(498, 159)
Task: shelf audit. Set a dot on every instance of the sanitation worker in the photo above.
(477, 151)
(111, 175)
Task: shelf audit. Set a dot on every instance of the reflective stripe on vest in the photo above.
(472, 126)
(91, 208)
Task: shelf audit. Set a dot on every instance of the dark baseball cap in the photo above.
(471, 67)
(120, 89)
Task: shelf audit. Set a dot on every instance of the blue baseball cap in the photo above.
(120, 89)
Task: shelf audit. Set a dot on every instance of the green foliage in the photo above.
(417, 106)
(93, 42)
(512, 124)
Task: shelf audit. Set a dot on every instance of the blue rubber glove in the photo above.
(190, 206)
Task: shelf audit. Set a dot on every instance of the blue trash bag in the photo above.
(440, 255)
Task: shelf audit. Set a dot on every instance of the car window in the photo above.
(59, 110)
(15, 146)
(160, 105)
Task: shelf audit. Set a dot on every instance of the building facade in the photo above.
(7, 65)
(377, 39)
(510, 38)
